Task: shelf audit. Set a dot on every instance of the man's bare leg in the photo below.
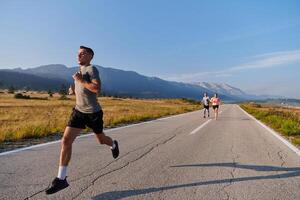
(66, 145)
(216, 113)
(60, 182)
(103, 139)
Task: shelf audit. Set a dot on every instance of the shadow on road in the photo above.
(242, 166)
(291, 172)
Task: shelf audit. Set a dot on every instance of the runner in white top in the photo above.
(205, 102)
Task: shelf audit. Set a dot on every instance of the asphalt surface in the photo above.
(182, 157)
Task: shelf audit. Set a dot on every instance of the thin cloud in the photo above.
(275, 54)
(268, 60)
(222, 75)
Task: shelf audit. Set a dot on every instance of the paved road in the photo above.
(231, 158)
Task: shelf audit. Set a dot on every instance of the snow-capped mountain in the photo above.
(222, 88)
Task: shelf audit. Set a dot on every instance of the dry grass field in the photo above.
(36, 118)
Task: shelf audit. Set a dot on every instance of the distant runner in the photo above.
(205, 102)
(87, 112)
(215, 100)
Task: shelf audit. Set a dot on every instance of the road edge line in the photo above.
(274, 133)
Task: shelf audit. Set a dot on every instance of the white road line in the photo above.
(91, 134)
(277, 135)
(201, 126)
(27, 148)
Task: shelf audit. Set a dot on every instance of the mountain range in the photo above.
(117, 82)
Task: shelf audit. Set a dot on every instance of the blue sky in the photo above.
(252, 45)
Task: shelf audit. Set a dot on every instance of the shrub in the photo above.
(290, 128)
(11, 90)
(50, 93)
(63, 97)
(191, 101)
(21, 96)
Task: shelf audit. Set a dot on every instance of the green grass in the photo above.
(284, 120)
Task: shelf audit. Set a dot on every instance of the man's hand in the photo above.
(93, 86)
(78, 77)
(72, 89)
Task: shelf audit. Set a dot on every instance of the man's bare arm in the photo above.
(93, 86)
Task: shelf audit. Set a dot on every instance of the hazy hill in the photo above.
(29, 81)
(114, 82)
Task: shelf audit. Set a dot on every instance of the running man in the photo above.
(215, 100)
(205, 102)
(87, 112)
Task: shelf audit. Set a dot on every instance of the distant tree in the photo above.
(26, 88)
(63, 90)
(11, 90)
(21, 96)
(50, 93)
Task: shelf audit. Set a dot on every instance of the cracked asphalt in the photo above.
(231, 158)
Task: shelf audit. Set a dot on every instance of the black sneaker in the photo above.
(115, 151)
(57, 185)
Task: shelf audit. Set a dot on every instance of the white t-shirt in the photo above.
(205, 101)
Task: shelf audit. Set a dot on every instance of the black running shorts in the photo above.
(91, 120)
(215, 106)
(206, 107)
